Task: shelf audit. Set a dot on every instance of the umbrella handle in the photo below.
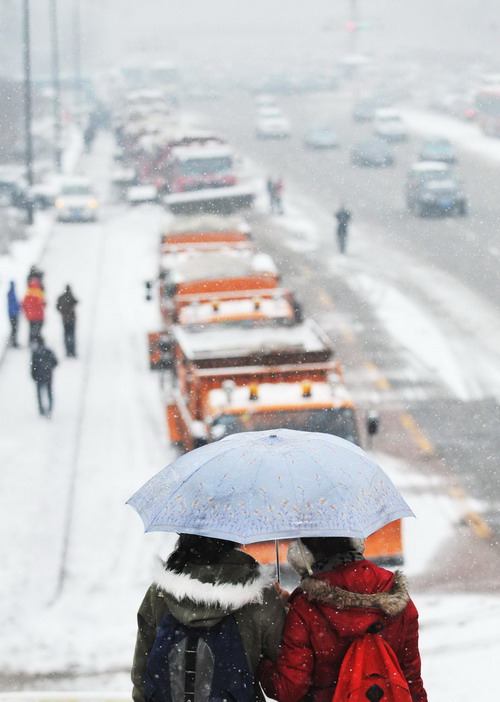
(277, 545)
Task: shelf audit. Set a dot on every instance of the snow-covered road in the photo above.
(75, 560)
(72, 552)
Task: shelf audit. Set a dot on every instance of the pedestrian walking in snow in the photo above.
(33, 306)
(342, 597)
(205, 623)
(13, 309)
(43, 362)
(66, 304)
(343, 217)
(275, 192)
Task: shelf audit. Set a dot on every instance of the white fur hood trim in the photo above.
(182, 586)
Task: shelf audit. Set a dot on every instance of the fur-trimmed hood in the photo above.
(202, 595)
(391, 602)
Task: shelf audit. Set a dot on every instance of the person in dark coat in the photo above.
(34, 308)
(343, 217)
(340, 596)
(275, 191)
(66, 304)
(43, 362)
(14, 309)
(203, 581)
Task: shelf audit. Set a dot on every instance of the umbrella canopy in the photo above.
(276, 484)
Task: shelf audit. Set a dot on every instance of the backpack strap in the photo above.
(190, 666)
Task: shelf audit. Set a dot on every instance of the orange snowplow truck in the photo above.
(263, 378)
(205, 231)
(197, 273)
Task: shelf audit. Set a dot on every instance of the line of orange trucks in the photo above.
(240, 356)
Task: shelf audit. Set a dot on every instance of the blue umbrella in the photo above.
(267, 485)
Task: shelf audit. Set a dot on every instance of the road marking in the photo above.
(473, 519)
(417, 434)
(325, 299)
(478, 525)
(380, 381)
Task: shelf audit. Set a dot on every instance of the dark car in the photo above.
(437, 149)
(372, 152)
(441, 197)
(432, 188)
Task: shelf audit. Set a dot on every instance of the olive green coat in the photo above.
(201, 596)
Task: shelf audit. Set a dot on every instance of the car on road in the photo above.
(364, 110)
(437, 149)
(432, 188)
(321, 138)
(388, 124)
(13, 190)
(272, 124)
(76, 201)
(373, 152)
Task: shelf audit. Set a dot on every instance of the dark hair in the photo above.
(325, 546)
(204, 550)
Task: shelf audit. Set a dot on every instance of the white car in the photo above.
(388, 124)
(76, 201)
(272, 124)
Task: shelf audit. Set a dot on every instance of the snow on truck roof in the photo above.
(231, 343)
(250, 308)
(279, 396)
(207, 223)
(207, 150)
(226, 262)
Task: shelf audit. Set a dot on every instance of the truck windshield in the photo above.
(76, 190)
(205, 166)
(338, 421)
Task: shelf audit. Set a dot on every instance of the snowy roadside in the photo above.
(22, 254)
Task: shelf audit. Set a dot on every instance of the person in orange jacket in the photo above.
(34, 309)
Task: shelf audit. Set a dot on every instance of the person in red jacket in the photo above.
(34, 309)
(340, 596)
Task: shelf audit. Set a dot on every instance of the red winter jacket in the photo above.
(327, 612)
(34, 302)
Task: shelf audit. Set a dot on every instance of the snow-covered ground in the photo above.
(75, 561)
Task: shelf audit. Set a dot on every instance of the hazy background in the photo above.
(242, 36)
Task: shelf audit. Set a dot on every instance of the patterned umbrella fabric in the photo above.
(275, 484)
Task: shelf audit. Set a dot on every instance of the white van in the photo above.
(76, 201)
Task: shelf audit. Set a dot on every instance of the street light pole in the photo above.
(56, 85)
(28, 109)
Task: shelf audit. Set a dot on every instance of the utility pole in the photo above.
(56, 85)
(28, 109)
